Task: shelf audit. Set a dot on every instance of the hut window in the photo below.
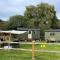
(52, 33)
(29, 32)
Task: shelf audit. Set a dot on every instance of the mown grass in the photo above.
(49, 47)
(14, 55)
(23, 55)
(26, 55)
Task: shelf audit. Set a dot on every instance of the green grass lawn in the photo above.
(25, 55)
(38, 47)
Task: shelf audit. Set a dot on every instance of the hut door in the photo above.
(29, 34)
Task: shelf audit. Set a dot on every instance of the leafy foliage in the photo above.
(16, 22)
(3, 25)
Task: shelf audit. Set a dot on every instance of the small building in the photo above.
(34, 34)
(52, 35)
(9, 36)
(30, 34)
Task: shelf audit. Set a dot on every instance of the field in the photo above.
(27, 55)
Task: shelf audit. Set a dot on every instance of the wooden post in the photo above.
(3, 38)
(0, 43)
(10, 37)
(33, 52)
(9, 40)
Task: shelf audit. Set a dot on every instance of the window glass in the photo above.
(52, 33)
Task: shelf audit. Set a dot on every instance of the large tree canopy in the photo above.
(42, 13)
(16, 22)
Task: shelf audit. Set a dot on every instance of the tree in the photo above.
(3, 25)
(17, 21)
(29, 11)
(41, 13)
(58, 24)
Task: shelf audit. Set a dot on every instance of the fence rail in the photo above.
(30, 50)
(30, 43)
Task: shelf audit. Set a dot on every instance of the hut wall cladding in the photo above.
(56, 35)
(35, 36)
(23, 37)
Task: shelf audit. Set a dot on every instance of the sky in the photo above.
(12, 7)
